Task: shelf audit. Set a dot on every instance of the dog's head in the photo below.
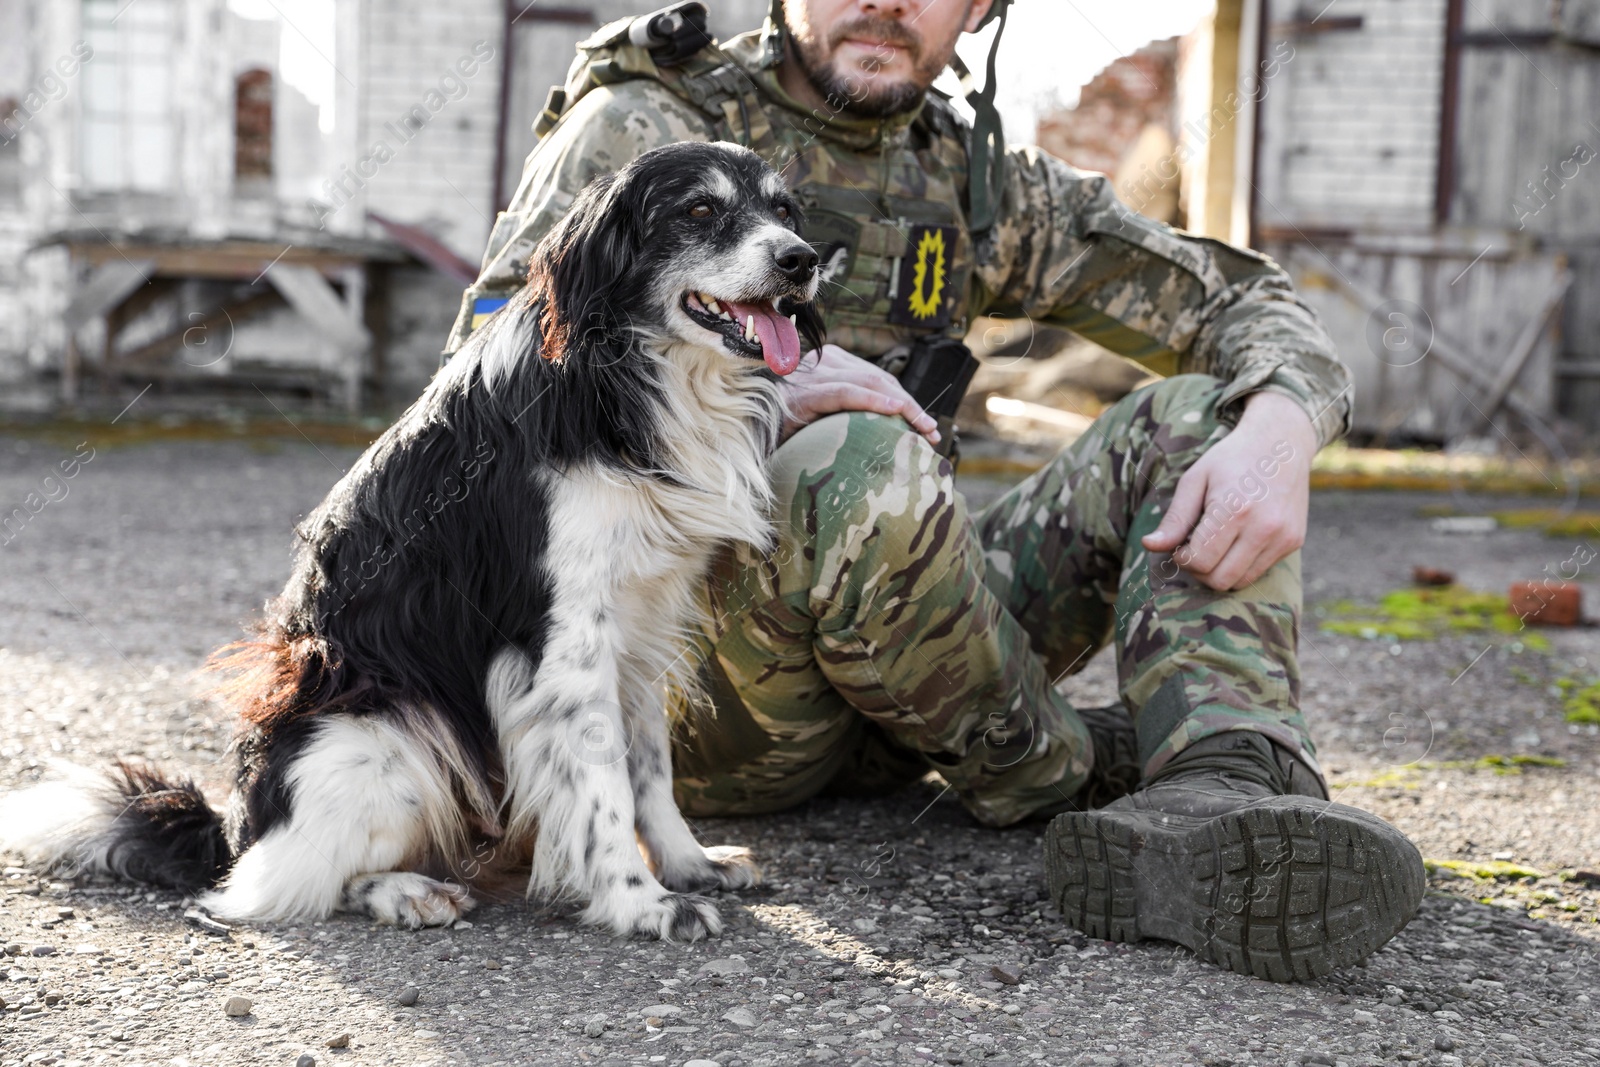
(694, 243)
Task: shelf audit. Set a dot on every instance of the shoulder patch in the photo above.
(484, 306)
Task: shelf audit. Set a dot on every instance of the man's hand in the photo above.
(830, 380)
(1242, 507)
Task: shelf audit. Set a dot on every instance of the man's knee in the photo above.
(868, 510)
(859, 476)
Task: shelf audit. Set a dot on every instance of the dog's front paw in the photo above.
(666, 917)
(721, 867)
(735, 867)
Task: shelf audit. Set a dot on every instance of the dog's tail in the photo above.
(132, 822)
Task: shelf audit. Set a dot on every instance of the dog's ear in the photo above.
(580, 269)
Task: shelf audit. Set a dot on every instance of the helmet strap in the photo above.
(986, 156)
(772, 34)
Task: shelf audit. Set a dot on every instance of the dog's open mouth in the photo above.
(760, 331)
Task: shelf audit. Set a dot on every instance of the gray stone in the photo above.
(740, 1017)
(44, 950)
(1444, 1043)
(237, 1007)
(408, 996)
(339, 1041)
(306, 1060)
(1009, 973)
(722, 968)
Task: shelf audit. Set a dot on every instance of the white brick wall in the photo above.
(443, 177)
(1351, 123)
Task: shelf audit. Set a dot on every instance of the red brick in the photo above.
(1547, 603)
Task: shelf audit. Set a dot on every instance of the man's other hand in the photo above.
(1242, 507)
(830, 380)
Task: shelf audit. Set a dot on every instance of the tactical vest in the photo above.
(884, 201)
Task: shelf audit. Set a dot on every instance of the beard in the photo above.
(855, 89)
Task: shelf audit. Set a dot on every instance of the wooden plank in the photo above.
(242, 261)
(234, 312)
(315, 300)
(1517, 358)
(108, 285)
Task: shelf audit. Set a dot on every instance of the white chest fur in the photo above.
(626, 553)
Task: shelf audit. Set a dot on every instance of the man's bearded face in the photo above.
(874, 64)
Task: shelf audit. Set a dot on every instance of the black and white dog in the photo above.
(465, 673)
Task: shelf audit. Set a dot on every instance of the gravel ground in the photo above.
(894, 931)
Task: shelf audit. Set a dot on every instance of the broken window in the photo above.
(252, 124)
(129, 130)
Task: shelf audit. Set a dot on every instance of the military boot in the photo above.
(1116, 769)
(1234, 851)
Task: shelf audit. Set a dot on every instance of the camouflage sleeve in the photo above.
(608, 128)
(1068, 252)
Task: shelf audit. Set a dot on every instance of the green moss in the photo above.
(1580, 703)
(1425, 614)
(1518, 761)
(1482, 870)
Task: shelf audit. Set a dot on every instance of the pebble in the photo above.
(595, 1026)
(339, 1041)
(740, 1017)
(1444, 1043)
(425, 1035)
(306, 1060)
(1009, 973)
(702, 1063)
(660, 1011)
(2, 1003)
(14, 949)
(44, 950)
(408, 996)
(725, 967)
(237, 1007)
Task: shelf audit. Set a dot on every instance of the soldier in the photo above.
(890, 632)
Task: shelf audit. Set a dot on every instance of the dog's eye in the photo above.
(782, 212)
(702, 210)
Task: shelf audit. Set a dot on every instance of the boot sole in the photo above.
(1286, 889)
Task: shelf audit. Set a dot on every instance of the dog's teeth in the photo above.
(793, 323)
(712, 306)
(750, 328)
(775, 302)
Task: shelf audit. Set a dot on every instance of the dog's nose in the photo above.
(797, 262)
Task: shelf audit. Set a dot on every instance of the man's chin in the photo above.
(880, 96)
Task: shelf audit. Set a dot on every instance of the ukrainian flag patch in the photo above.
(484, 306)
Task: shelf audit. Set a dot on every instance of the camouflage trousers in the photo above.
(889, 633)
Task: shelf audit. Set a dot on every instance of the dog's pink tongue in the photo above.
(780, 342)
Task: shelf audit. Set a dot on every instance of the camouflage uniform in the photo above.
(891, 632)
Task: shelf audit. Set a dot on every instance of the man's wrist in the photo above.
(1286, 414)
(1271, 411)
